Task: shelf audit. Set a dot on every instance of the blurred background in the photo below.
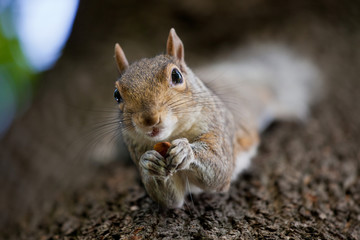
(33, 34)
(57, 77)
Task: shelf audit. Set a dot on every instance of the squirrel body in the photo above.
(212, 138)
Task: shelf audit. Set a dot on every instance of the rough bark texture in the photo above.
(304, 183)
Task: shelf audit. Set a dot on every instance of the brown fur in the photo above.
(243, 142)
(205, 141)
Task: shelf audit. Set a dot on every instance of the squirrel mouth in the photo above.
(155, 131)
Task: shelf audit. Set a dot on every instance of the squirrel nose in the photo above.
(149, 120)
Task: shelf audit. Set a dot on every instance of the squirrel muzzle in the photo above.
(148, 119)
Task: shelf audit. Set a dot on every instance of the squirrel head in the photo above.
(154, 94)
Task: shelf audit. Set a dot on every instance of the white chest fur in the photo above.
(243, 161)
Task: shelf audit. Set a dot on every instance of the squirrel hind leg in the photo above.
(168, 192)
(243, 160)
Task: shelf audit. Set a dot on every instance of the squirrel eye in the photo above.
(117, 96)
(176, 76)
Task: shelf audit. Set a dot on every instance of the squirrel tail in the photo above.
(273, 82)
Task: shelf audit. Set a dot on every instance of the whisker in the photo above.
(190, 194)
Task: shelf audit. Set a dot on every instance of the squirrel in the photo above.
(212, 138)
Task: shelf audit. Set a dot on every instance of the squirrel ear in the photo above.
(120, 59)
(175, 47)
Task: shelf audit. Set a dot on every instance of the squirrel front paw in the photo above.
(180, 155)
(153, 164)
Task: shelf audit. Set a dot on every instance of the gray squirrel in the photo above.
(212, 136)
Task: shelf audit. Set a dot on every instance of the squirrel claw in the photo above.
(152, 163)
(180, 155)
